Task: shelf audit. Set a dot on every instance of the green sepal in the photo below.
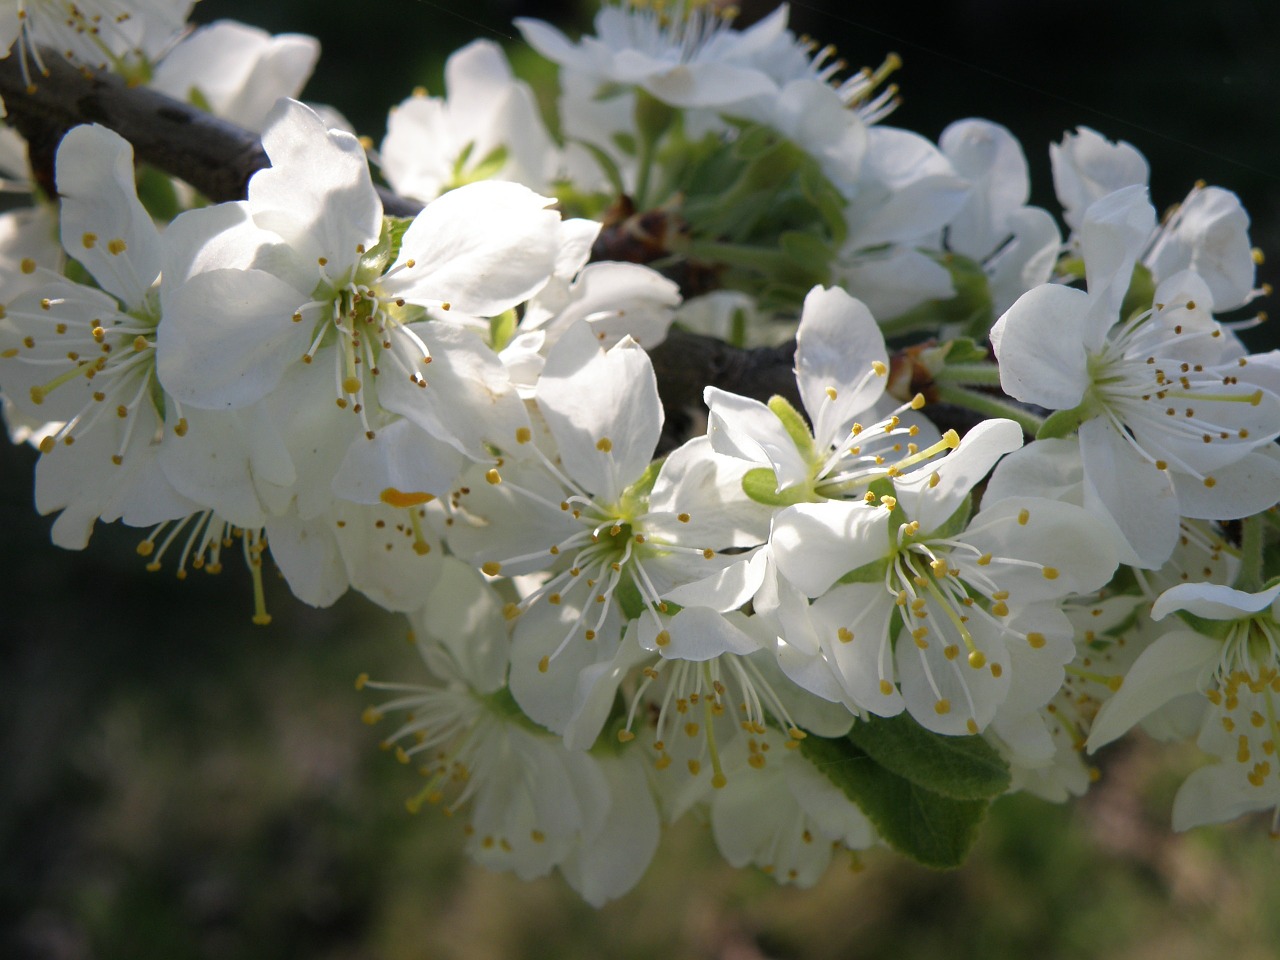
(883, 487)
(636, 496)
(761, 485)
(795, 425)
(961, 768)
(1214, 629)
(955, 523)
(383, 253)
(629, 598)
(932, 829)
(873, 572)
(501, 329)
(1061, 423)
(157, 193)
(964, 350)
(1141, 293)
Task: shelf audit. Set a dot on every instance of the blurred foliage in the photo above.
(179, 784)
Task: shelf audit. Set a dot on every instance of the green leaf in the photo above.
(962, 768)
(761, 485)
(933, 830)
(805, 249)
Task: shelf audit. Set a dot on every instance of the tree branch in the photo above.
(217, 158)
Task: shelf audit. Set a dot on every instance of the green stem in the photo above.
(969, 374)
(989, 406)
(1252, 539)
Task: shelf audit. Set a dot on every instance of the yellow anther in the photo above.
(89, 240)
(977, 660)
(879, 367)
(1036, 640)
(351, 385)
(889, 502)
(1050, 573)
(942, 707)
(524, 435)
(625, 736)
(831, 393)
(845, 634)
(371, 715)
(938, 566)
(886, 688)
(361, 681)
(917, 402)
(492, 568)
(604, 444)
(493, 476)
(544, 664)
(402, 499)
(663, 638)
(116, 247)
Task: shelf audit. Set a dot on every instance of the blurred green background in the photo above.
(179, 784)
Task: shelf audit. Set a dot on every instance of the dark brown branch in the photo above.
(214, 156)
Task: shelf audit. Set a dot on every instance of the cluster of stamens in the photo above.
(364, 326)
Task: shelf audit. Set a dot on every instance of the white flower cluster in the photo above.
(456, 414)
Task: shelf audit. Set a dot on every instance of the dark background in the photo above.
(178, 784)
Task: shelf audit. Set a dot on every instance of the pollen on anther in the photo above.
(116, 246)
(604, 445)
(492, 476)
(942, 707)
(844, 634)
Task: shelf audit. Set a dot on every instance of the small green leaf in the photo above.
(933, 830)
(961, 768)
(805, 249)
(761, 485)
(1060, 424)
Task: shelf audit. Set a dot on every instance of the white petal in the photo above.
(603, 410)
(1213, 601)
(1168, 668)
(1137, 496)
(1039, 342)
(932, 502)
(104, 225)
(836, 345)
(317, 194)
(482, 248)
(815, 544)
(227, 338)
